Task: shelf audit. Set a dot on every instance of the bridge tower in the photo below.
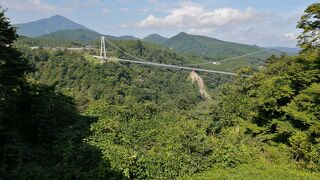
(103, 55)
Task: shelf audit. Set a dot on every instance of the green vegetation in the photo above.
(41, 130)
(257, 170)
(209, 47)
(310, 23)
(65, 116)
(78, 35)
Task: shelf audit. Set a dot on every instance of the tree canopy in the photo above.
(310, 24)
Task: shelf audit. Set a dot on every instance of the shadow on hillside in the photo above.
(43, 138)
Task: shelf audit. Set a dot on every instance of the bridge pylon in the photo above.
(103, 55)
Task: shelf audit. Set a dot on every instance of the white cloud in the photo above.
(247, 26)
(193, 16)
(28, 5)
(290, 36)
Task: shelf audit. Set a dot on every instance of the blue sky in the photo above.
(260, 22)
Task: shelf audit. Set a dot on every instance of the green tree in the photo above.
(280, 103)
(12, 70)
(310, 24)
(41, 132)
(140, 48)
(120, 53)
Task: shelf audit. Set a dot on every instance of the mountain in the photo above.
(208, 47)
(76, 35)
(47, 25)
(155, 39)
(126, 38)
(287, 50)
(80, 35)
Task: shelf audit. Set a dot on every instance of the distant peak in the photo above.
(182, 33)
(153, 35)
(57, 17)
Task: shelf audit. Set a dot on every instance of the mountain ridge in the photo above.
(155, 38)
(209, 47)
(48, 25)
(81, 35)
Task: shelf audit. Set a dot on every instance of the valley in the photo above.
(181, 107)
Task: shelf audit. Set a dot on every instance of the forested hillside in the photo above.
(78, 35)
(208, 47)
(64, 115)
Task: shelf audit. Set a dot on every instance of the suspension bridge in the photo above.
(136, 60)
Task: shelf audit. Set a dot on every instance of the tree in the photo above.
(7, 32)
(310, 24)
(12, 70)
(41, 131)
(120, 52)
(140, 48)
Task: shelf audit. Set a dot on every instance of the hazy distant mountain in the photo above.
(47, 25)
(287, 50)
(155, 38)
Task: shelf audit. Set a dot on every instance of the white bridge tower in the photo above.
(103, 55)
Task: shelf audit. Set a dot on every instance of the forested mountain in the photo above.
(76, 35)
(64, 115)
(208, 47)
(155, 38)
(47, 25)
(80, 36)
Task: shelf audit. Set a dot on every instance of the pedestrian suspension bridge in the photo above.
(136, 60)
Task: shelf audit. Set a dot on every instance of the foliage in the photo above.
(143, 143)
(41, 131)
(310, 24)
(259, 170)
(279, 104)
(118, 83)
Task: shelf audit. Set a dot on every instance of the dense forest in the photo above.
(63, 115)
